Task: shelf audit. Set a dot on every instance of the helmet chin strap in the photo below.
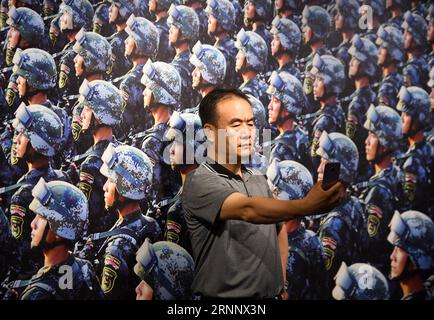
(379, 156)
(406, 273)
(45, 246)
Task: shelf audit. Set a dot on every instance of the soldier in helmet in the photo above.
(159, 8)
(285, 45)
(411, 262)
(306, 276)
(288, 9)
(372, 14)
(416, 68)
(184, 31)
(381, 193)
(186, 152)
(287, 100)
(198, 7)
(61, 212)
(101, 105)
(329, 76)
(360, 281)
(39, 138)
(417, 162)
(74, 15)
(390, 53)
(221, 24)
(396, 9)
(362, 69)
(101, 24)
(57, 38)
(342, 229)
(250, 61)
(119, 12)
(161, 95)
(430, 35)
(141, 45)
(316, 27)
(210, 69)
(166, 271)
(128, 173)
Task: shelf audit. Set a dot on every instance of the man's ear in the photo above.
(210, 132)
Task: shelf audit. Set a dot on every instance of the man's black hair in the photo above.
(208, 105)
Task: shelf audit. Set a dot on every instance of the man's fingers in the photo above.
(335, 188)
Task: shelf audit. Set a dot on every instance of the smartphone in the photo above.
(331, 175)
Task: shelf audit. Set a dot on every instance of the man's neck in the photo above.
(391, 68)
(103, 133)
(347, 36)
(248, 75)
(413, 53)
(183, 46)
(205, 90)
(196, 5)
(94, 76)
(56, 256)
(41, 162)
(327, 102)
(362, 82)
(288, 125)
(160, 114)
(139, 60)
(417, 137)
(222, 36)
(257, 24)
(120, 27)
(413, 284)
(316, 46)
(396, 12)
(283, 60)
(287, 13)
(71, 36)
(38, 98)
(186, 171)
(128, 209)
(223, 161)
(160, 15)
(383, 164)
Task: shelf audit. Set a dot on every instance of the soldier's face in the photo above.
(250, 10)
(13, 37)
(22, 141)
(109, 193)
(406, 122)
(430, 35)
(339, 21)
(79, 65)
(274, 109)
(307, 34)
(22, 86)
(176, 153)
(398, 261)
(66, 21)
(321, 169)
(371, 145)
(318, 88)
(382, 56)
(212, 24)
(239, 61)
(196, 78)
(152, 6)
(113, 13)
(432, 98)
(408, 38)
(86, 117)
(278, 4)
(354, 67)
(173, 34)
(147, 98)
(275, 44)
(129, 46)
(144, 291)
(38, 227)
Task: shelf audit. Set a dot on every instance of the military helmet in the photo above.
(416, 102)
(167, 268)
(337, 147)
(289, 180)
(290, 4)
(413, 232)
(288, 33)
(145, 35)
(37, 67)
(360, 281)
(81, 12)
(95, 50)
(431, 78)
(41, 126)
(210, 61)
(378, 6)
(63, 205)
(223, 11)
(164, 81)
(263, 8)
(29, 23)
(186, 19)
(417, 26)
(129, 168)
(392, 39)
(390, 4)
(289, 90)
(126, 8)
(104, 99)
(254, 48)
(331, 70)
(349, 9)
(366, 52)
(387, 90)
(318, 20)
(386, 124)
(259, 113)
(165, 4)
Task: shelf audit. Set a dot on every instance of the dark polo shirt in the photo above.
(234, 259)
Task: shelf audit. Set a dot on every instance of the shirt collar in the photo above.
(220, 170)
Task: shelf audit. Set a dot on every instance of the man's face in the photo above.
(250, 10)
(239, 60)
(13, 38)
(382, 56)
(408, 38)
(432, 98)
(38, 227)
(109, 193)
(86, 117)
(129, 45)
(21, 144)
(79, 65)
(354, 67)
(176, 153)
(212, 24)
(371, 145)
(152, 6)
(22, 86)
(339, 21)
(236, 129)
(321, 169)
(274, 109)
(196, 78)
(147, 97)
(307, 34)
(173, 34)
(318, 88)
(144, 291)
(275, 44)
(398, 260)
(406, 122)
(278, 4)
(430, 35)
(113, 13)
(66, 21)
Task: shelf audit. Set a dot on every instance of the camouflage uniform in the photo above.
(101, 23)
(120, 62)
(165, 51)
